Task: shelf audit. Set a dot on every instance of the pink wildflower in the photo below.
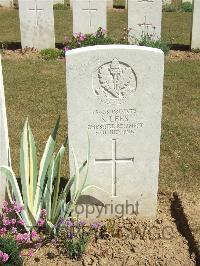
(66, 49)
(3, 231)
(6, 222)
(14, 230)
(41, 222)
(30, 253)
(5, 257)
(21, 222)
(13, 221)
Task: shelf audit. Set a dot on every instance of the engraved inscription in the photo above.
(114, 81)
(114, 122)
(146, 26)
(114, 160)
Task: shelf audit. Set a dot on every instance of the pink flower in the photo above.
(3, 230)
(14, 230)
(5, 257)
(21, 222)
(66, 49)
(30, 253)
(34, 234)
(13, 221)
(17, 207)
(41, 222)
(6, 222)
(82, 37)
(22, 237)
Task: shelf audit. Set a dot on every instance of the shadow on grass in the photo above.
(180, 47)
(183, 227)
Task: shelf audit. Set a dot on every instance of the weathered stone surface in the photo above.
(4, 142)
(115, 97)
(89, 15)
(144, 17)
(6, 3)
(109, 3)
(196, 26)
(58, 2)
(37, 24)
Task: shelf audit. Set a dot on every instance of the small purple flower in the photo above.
(70, 235)
(14, 230)
(82, 223)
(96, 226)
(69, 223)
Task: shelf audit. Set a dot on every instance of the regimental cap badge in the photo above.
(114, 82)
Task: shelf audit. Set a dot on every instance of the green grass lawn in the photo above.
(176, 27)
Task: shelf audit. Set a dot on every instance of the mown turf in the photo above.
(176, 27)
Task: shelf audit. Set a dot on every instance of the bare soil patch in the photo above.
(33, 54)
(130, 242)
(182, 56)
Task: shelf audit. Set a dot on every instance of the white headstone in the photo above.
(190, 1)
(4, 142)
(109, 3)
(37, 24)
(168, 2)
(58, 2)
(89, 15)
(196, 26)
(144, 17)
(115, 97)
(6, 3)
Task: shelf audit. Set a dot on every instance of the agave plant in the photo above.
(41, 185)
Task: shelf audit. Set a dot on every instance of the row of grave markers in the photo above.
(144, 16)
(10, 3)
(119, 107)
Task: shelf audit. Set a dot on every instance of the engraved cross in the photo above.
(145, 24)
(90, 10)
(36, 10)
(114, 160)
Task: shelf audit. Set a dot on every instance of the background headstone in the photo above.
(58, 2)
(37, 23)
(6, 3)
(4, 142)
(195, 44)
(109, 3)
(89, 15)
(144, 17)
(183, 1)
(115, 97)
